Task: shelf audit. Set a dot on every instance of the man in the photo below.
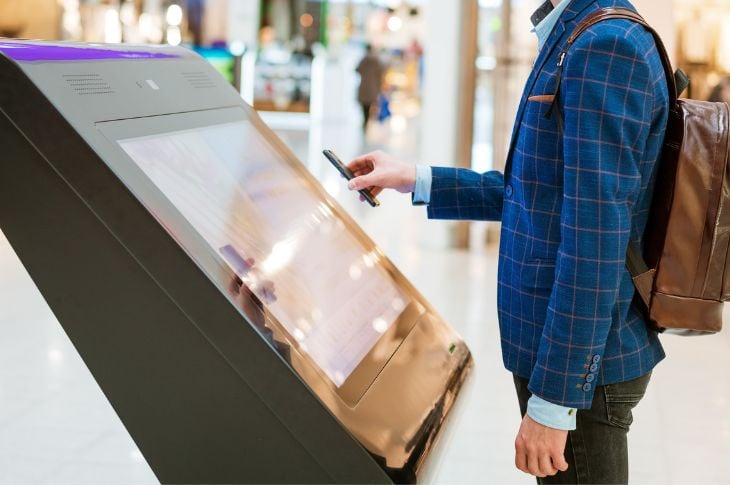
(371, 72)
(570, 199)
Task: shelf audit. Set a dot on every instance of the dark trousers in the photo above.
(366, 108)
(597, 450)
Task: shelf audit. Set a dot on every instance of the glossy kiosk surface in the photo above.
(243, 327)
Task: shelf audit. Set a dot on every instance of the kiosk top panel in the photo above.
(30, 52)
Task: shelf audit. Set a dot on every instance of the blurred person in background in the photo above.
(371, 72)
(572, 196)
(721, 92)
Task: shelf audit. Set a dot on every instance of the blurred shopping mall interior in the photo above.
(453, 75)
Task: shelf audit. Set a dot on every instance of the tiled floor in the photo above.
(56, 426)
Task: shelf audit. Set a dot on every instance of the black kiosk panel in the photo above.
(241, 324)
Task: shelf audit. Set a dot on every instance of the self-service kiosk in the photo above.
(242, 326)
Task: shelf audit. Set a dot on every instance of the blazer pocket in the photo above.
(538, 273)
(542, 98)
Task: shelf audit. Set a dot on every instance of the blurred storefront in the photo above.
(266, 48)
(703, 32)
(298, 38)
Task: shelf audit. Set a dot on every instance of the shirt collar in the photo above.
(545, 18)
(541, 12)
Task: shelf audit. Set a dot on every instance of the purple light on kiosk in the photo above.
(20, 51)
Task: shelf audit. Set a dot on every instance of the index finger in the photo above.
(364, 162)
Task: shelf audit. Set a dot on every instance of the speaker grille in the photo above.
(88, 84)
(199, 80)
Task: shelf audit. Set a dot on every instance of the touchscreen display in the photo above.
(284, 242)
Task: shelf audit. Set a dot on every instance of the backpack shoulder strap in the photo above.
(604, 14)
(677, 81)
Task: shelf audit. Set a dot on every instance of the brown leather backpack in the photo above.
(682, 277)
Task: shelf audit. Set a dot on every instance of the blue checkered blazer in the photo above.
(569, 202)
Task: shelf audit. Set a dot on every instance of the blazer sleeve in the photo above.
(608, 104)
(462, 194)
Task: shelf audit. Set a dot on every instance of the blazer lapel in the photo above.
(565, 22)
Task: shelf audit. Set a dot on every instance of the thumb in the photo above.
(362, 182)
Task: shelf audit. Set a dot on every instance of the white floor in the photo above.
(57, 427)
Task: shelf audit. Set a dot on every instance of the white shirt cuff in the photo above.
(551, 415)
(422, 192)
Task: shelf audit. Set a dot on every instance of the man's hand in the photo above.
(539, 450)
(378, 170)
